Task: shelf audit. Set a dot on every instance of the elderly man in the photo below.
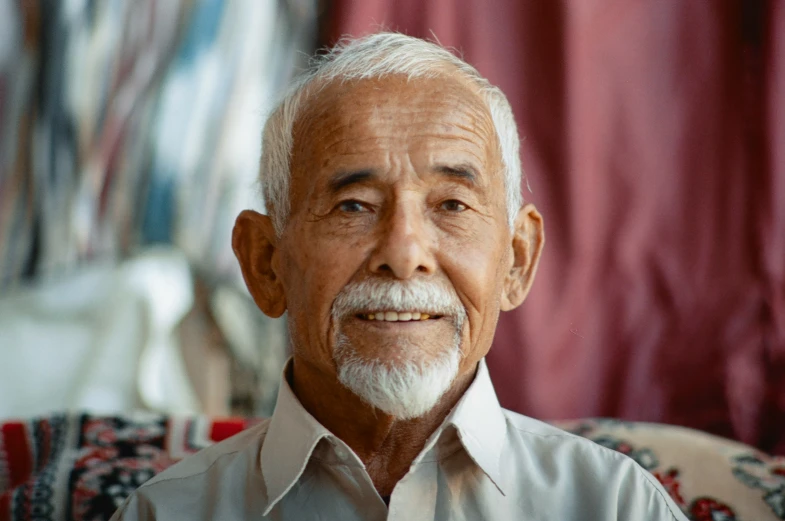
(396, 234)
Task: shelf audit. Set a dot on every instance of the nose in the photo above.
(404, 248)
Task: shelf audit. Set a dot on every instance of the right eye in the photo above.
(352, 206)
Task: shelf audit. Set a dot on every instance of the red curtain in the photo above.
(654, 145)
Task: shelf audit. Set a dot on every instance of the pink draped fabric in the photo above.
(654, 145)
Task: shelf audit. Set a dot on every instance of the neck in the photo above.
(386, 445)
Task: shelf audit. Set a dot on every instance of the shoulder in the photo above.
(540, 435)
(543, 443)
(207, 460)
(202, 482)
(588, 472)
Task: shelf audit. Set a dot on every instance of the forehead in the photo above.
(423, 117)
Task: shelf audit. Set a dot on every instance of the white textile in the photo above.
(99, 340)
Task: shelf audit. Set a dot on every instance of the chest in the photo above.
(451, 489)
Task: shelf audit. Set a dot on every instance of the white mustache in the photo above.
(391, 295)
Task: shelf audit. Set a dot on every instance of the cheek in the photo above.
(476, 271)
(317, 269)
(476, 268)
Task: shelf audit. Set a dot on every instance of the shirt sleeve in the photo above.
(652, 502)
(135, 508)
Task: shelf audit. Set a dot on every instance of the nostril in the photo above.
(385, 267)
(422, 269)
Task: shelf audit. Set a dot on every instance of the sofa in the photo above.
(82, 466)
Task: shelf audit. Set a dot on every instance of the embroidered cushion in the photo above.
(710, 478)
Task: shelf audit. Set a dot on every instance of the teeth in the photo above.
(394, 316)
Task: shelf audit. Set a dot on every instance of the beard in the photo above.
(414, 382)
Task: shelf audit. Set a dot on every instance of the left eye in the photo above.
(453, 205)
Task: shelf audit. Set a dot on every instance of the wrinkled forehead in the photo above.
(387, 110)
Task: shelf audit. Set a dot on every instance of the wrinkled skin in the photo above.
(399, 179)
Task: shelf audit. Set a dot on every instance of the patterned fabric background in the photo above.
(82, 467)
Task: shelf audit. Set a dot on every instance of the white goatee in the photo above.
(410, 388)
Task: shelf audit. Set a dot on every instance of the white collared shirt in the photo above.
(484, 462)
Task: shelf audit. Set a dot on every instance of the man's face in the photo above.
(394, 180)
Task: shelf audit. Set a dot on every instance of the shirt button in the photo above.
(342, 455)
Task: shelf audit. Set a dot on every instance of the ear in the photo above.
(255, 245)
(528, 239)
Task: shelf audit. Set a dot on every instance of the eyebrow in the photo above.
(462, 172)
(343, 179)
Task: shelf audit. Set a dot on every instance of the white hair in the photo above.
(405, 388)
(376, 56)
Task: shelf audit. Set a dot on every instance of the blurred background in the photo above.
(653, 144)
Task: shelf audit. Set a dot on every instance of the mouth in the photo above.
(397, 316)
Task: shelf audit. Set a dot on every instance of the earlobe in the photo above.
(255, 245)
(528, 240)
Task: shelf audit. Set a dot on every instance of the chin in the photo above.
(403, 388)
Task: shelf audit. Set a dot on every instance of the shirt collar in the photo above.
(293, 434)
(480, 424)
(289, 442)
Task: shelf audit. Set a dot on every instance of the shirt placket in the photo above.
(414, 497)
(370, 506)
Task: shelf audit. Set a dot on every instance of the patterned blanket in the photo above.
(82, 467)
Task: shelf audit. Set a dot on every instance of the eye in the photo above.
(352, 206)
(453, 205)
